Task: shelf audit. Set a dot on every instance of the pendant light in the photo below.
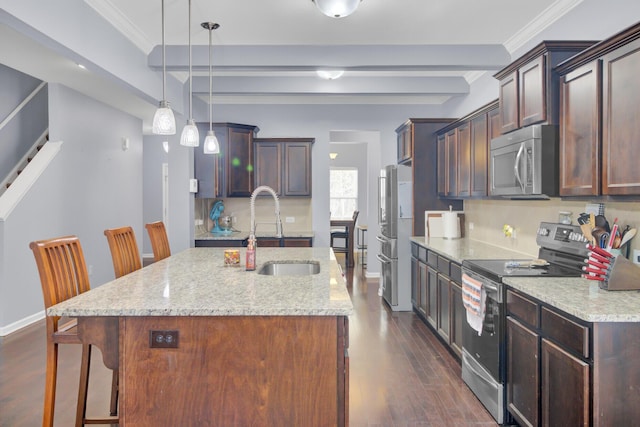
(337, 8)
(211, 144)
(190, 136)
(164, 123)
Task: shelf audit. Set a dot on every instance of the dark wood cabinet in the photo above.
(620, 124)
(580, 145)
(563, 371)
(432, 297)
(463, 165)
(418, 137)
(523, 382)
(265, 242)
(528, 87)
(405, 143)
(565, 387)
(463, 153)
(436, 295)
(479, 172)
(599, 128)
(229, 173)
(284, 164)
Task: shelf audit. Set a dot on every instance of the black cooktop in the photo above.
(496, 269)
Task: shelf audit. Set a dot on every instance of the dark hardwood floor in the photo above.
(400, 374)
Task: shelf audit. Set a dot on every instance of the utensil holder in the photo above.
(624, 276)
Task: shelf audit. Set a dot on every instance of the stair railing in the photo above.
(22, 104)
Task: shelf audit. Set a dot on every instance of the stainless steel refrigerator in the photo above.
(395, 212)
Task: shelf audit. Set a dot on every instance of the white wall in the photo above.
(91, 185)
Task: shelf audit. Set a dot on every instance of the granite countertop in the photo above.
(241, 235)
(576, 296)
(581, 297)
(196, 282)
(461, 249)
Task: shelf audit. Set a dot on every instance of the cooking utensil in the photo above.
(601, 221)
(600, 251)
(590, 277)
(628, 236)
(586, 232)
(594, 263)
(599, 257)
(612, 237)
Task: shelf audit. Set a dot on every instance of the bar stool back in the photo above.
(159, 240)
(124, 250)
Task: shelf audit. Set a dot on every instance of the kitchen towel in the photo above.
(473, 299)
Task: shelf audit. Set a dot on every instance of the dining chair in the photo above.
(124, 250)
(346, 236)
(159, 240)
(63, 275)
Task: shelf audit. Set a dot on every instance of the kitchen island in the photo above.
(198, 343)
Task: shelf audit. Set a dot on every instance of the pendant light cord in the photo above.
(210, 82)
(164, 67)
(190, 75)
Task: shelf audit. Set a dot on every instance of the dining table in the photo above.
(349, 225)
(199, 341)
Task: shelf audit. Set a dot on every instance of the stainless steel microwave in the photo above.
(524, 163)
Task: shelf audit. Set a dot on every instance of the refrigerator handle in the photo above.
(381, 184)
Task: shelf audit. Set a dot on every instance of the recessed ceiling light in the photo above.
(330, 74)
(82, 66)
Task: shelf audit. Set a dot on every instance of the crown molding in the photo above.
(539, 23)
(119, 20)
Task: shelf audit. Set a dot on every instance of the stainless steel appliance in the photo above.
(524, 163)
(395, 210)
(484, 356)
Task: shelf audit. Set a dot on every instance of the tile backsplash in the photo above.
(297, 208)
(489, 217)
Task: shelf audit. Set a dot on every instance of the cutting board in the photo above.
(433, 223)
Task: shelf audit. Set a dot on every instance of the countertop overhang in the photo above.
(196, 282)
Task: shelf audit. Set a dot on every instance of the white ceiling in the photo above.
(394, 51)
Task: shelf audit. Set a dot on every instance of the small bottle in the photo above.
(250, 263)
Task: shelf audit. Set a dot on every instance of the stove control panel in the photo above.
(562, 237)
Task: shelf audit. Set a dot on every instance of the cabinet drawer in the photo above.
(522, 308)
(422, 254)
(432, 259)
(456, 272)
(414, 250)
(443, 265)
(568, 333)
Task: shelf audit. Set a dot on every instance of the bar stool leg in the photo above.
(81, 408)
(50, 384)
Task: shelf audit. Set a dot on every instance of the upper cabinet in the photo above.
(417, 141)
(528, 86)
(229, 173)
(599, 127)
(284, 164)
(463, 152)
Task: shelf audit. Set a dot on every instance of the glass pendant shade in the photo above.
(190, 136)
(164, 123)
(337, 8)
(211, 144)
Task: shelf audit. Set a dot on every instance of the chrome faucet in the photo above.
(253, 210)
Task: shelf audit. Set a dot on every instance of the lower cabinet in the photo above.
(562, 371)
(436, 294)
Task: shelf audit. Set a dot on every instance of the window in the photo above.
(343, 192)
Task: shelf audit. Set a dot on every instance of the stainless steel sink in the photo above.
(290, 268)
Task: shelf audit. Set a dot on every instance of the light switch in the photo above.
(193, 185)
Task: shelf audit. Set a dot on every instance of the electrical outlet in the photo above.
(199, 222)
(290, 219)
(636, 256)
(471, 225)
(163, 339)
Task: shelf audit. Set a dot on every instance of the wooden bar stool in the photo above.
(63, 275)
(159, 240)
(347, 235)
(124, 250)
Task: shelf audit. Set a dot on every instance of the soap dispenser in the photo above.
(250, 261)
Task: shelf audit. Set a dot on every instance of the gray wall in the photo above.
(91, 185)
(22, 131)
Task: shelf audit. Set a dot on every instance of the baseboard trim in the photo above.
(15, 326)
(370, 275)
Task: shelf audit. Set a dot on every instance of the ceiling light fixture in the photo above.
(211, 144)
(329, 74)
(337, 8)
(190, 136)
(333, 156)
(164, 123)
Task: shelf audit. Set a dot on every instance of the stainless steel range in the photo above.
(562, 253)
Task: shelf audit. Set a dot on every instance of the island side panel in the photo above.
(232, 371)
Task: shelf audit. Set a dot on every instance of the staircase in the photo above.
(26, 159)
